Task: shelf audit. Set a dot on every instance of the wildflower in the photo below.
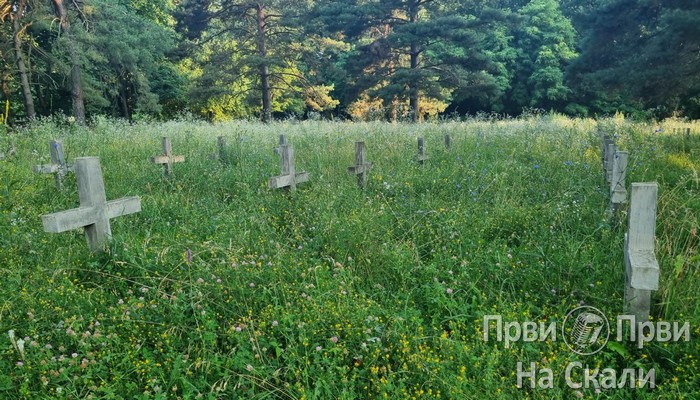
(275, 323)
(318, 348)
(252, 284)
(334, 339)
(249, 367)
(20, 363)
(537, 166)
(200, 280)
(448, 291)
(120, 302)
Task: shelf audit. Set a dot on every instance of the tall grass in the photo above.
(221, 288)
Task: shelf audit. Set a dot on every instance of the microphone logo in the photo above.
(586, 330)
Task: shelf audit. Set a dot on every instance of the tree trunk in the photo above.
(75, 73)
(413, 86)
(124, 98)
(264, 68)
(21, 65)
(415, 60)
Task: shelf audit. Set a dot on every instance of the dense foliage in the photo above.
(364, 59)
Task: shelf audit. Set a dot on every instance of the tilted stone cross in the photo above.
(421, 157)
(167, 158)
(618, 193)
(641, 266)
(95, 211)
(361, 167)
(289, 177)
(58, 166)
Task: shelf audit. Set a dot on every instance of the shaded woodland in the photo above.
(405, 60)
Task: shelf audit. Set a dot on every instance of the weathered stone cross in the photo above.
(283, 141)
(618, 193)
(421, 156)
(606, 142)
(95, 211)
(167, 158)
(58, 166)
(641, 266)
(361, 167)
(222, 146)
(289, 177)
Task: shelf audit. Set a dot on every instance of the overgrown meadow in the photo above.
(221, 288)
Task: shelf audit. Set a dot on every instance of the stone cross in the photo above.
(610, 159)
(361, 167)
(167, 158)
(448, 142)
(605, 141)
(58, 166)
(641, 266)
(221, 146)
(289, 177)
(618, 193)
(421, 157)
(283, 141)
(95, 211)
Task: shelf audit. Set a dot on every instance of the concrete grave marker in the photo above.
(361, 167)
(610, 159)
(283, 142)
(58, 166)
(448, 142)
(167, 158)
(289, 177)
(618, 193)
(421, 157)
(605, 141)
(95, 211)
(222, 150)
(641, 267)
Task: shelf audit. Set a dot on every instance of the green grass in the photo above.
(335, 292)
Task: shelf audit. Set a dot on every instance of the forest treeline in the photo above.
(359, 59)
